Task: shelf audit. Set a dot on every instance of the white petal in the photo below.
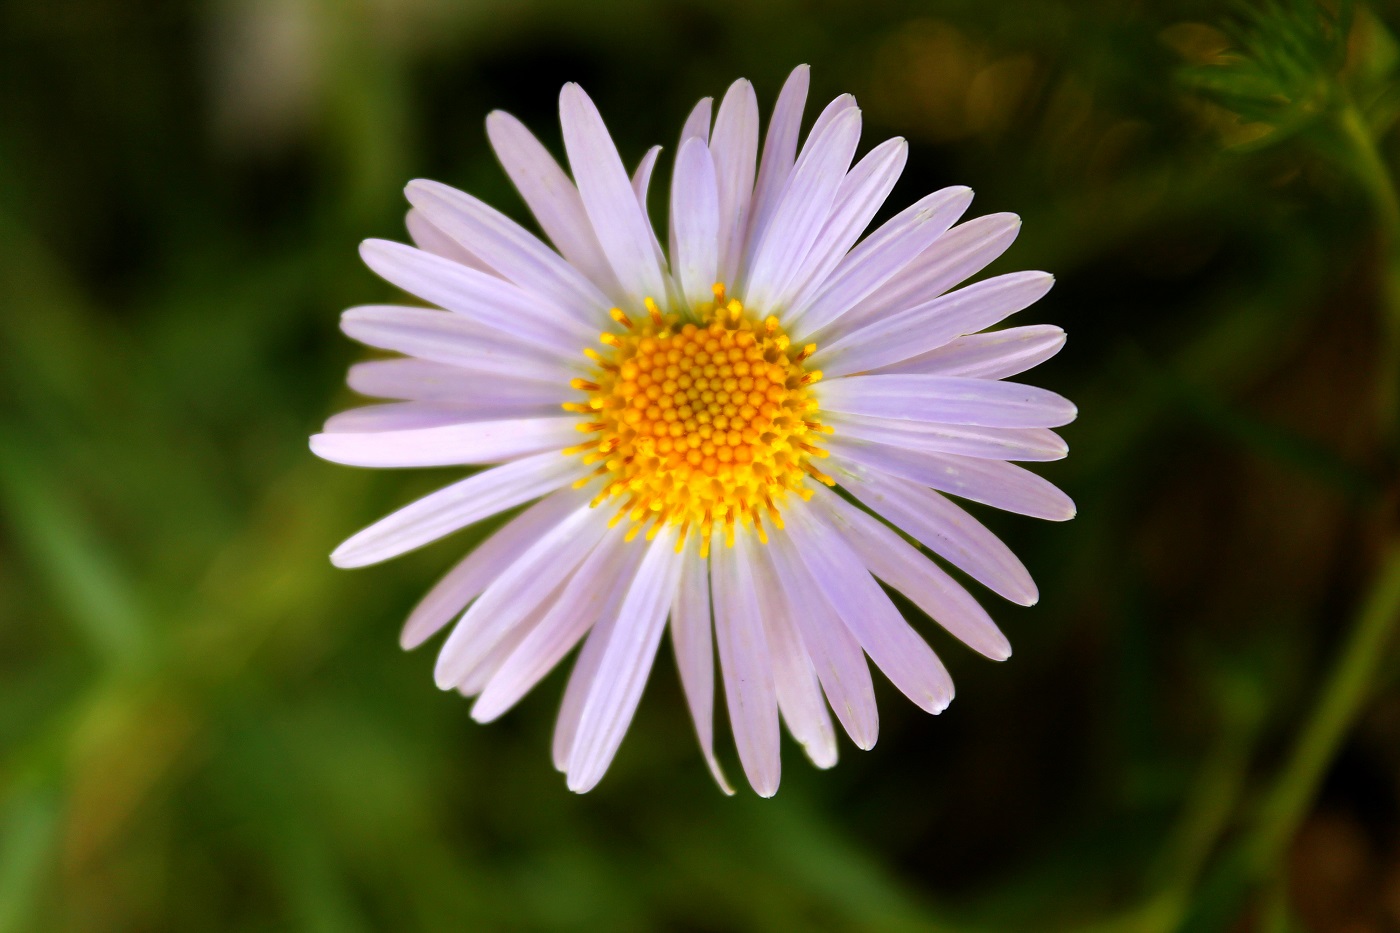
(551, 197)
(891, 559)
(608, 567)
(806, 202)
(794, 679)
(509, 249)
(483, 299)
(444, 337)
(622, 672)
(899, 651)
(931, 325)
(695, 222)
(734, 145)
(697, 125)
(427, 237)
(456, 506)
(948, 531)
(448, 445)
(861, 194)
(618, 220)
(489, 559)
(948, 400)
(641, 178)
(961, 252)
(991, 482)
(748, 671)
(779, 151)
(877, 259)
(835, 653)
(966, 440)
(520, 588)
(426, 381)
(476, 679)
(408, 416)
(830, 112)
(998, 354)
(694, 649)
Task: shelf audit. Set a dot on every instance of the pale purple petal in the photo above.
(489, 559)
(444, 337)
(830, 112)
(887, 555)
(734, 145)
(931, 325)
(618, 220)
(948, 400)
(806, 202)
(694, 648)
(794, 679)
(747, 665)
(835, 653)
(476, 679)
(551, 197)
(861, 194)
(948, 531)
(626, 663)
(426, 381)
(695, 222)
(992, 482)
(609, 567)
(1038, 444)
(641, 178)
(698, 123)
(994, 355)
(779, 151)
(958, 254)
(509, 249)
(409, 416)
(877, 259)
(516, 592)
(899, 651)
(427, 237)
(448, 445)
(457, 506)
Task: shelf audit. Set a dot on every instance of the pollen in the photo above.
(704, 421)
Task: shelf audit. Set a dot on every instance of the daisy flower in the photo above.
(676, 420)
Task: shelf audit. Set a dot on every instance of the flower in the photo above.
(711, 394)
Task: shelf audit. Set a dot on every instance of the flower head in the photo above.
(675, 418)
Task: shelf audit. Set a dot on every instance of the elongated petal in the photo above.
(744, 658)
(697, 126)
(456, 506)
(695, 222)
(694, 649)
(489, 559)
(485, 300)
(475, 680)
(830, 112)
(427, 237)
(409, 416)
(623, 670)
(794, 679)
(618, 220)
(734, 144)
(509, 249)
(512, 596)
(641, 178)
(994, 355)
(862, 193)
(965, 440)
(551, 197)
(899, 651)
(779, 151)
(948, 531)
(948, 400)
(991, 482)
(931, 325)
(887, 556)
(448, 445)
(804, 206)
(608, 567)
(835, 653)
(426, 381)
(956, 255)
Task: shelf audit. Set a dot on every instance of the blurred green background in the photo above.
(203, 726)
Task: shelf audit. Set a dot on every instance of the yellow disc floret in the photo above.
(703, 421)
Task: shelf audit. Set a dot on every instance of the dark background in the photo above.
(203, 726)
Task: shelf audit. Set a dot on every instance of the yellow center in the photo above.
(700, 422)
